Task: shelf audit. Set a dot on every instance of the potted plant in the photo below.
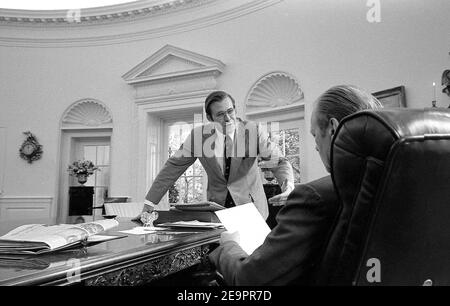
(82, 169)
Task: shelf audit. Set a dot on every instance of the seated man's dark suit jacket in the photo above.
(292, 248)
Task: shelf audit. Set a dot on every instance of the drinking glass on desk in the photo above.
(148, 218)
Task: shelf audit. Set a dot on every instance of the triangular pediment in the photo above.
(172, 62)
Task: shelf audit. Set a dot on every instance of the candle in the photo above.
(434, 91)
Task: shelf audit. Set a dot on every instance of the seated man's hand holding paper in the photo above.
(230, 236)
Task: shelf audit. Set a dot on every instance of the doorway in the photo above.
(89, 144)
(97, 150)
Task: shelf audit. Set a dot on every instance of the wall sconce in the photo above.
(446, 82)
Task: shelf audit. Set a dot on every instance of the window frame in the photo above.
(165, 153)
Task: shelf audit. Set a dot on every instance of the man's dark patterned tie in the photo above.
(227, 156)
(227, 163)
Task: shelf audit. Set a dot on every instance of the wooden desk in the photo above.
(129, 261)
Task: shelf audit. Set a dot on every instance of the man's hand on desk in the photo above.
(280, 199)
(146, 210)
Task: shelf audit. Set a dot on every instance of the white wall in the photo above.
(321, 42)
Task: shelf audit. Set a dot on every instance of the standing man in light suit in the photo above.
(228, 148)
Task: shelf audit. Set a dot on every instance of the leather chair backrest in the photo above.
(391, 170)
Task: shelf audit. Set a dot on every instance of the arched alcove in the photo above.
(277, 98)
(87, 113)
(273, 90)
(86, 128)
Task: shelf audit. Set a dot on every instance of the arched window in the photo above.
(276, 98)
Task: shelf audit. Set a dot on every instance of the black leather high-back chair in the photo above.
(391, 169)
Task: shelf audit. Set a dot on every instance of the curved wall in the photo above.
(46, 68)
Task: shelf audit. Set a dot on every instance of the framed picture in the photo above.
(393, 97)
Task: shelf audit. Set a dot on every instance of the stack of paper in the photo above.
(248, 222)
(191, 224)
(143, 230)
(199, 206)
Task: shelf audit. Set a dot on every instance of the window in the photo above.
(99, 155)
(287, 137)
(190, 187)
(289, 142)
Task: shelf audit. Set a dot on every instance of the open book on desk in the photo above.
(33, 239)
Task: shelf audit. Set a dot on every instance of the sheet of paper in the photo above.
(143, 230)
(192, 224)
(246, 220)
(101, 238)
(199, 206)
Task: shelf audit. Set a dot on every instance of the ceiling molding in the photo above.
(97, 15)
(221, 9)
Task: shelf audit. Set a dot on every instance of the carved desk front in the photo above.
(129, 261)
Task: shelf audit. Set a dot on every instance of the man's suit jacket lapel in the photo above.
(234, 167)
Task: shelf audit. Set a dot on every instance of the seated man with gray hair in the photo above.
(291, 250)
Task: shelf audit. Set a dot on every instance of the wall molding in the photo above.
(273, 90)
(172, 73)
(282, 113)
(87, 113)
(180, 98)
(26, 207)
(2, 157)
(170, 63)
(152, 30)
(277, 96)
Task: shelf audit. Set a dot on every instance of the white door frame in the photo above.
(149, 134)
(68, 138)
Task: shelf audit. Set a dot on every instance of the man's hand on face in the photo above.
(280, 199)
